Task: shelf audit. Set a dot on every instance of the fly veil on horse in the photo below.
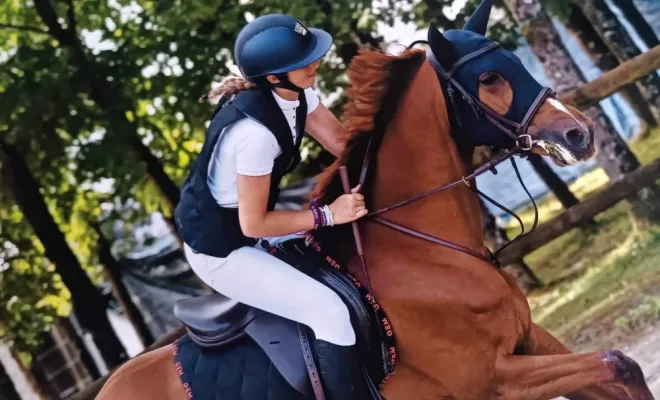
(463, 327)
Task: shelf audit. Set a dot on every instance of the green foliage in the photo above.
(635, 318)
(558, 8)
(77, 90)
(134, 69)
(31, 295)
(501, 27)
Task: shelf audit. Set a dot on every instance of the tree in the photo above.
(32, 294)
(88, 304)
(432, 11)
(613, 156)
(554, 182)
(593, 45)
(96, 119)
(636, 19)
(108, 96)
(619, 42)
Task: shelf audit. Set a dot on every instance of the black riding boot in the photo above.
(340, 372)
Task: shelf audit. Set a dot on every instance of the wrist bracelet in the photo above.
(328, 214)
(322, 216)
(317, 217)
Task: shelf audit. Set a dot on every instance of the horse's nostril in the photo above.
(574, 137)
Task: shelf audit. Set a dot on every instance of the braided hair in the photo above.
(228, 88)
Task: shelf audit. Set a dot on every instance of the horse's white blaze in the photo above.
(558, 105)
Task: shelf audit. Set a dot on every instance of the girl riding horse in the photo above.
(463, 327)
(227, 203)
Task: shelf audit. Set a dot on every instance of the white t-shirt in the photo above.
(247, 147)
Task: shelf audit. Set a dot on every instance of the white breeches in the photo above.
(252, 276)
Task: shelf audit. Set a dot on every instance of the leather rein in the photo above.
(517, 131)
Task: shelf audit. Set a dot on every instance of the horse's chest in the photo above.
(479, 291)
(451, 323)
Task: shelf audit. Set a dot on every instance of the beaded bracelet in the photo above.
(328, 215)
(322, 216)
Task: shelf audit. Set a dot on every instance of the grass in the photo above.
(601, 284)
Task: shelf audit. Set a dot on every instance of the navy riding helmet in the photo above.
(275, 44)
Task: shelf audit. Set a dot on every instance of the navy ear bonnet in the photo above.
(454, 45)
(525, 87)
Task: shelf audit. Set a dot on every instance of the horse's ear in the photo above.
(443, 50)
(478, 22)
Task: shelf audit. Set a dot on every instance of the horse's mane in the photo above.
(378, 84)
(378, 81)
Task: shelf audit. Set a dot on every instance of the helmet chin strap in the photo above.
(285, 83)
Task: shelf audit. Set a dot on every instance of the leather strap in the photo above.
(432, 239)
(313, 372)
(471, 56)
(479, 171)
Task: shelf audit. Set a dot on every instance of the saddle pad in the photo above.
(238, 372)
(311, 256)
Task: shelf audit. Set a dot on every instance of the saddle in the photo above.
(215, 321)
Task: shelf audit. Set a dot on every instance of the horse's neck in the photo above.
(418, 154)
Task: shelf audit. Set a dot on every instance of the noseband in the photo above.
(517, 131)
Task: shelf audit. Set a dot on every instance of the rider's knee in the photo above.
(334, 322)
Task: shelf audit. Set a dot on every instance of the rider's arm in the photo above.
(323, 126)
(256, 221)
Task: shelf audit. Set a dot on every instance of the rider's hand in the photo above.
(348, 207)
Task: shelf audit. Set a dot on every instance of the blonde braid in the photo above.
(229, 87)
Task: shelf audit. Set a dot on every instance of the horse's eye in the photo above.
(489, 79)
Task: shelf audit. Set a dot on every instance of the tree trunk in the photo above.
(108, 96)
(120, 290)
(87, 302)
(595, 47)
(553, 181)
(636, 19)
(619, 42)
(613, 155)
(495, 237)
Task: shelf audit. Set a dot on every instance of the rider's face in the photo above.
(304, 77)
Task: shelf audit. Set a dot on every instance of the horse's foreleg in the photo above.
(628, 381)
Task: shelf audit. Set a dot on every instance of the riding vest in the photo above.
(203, 224)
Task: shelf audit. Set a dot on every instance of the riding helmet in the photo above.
(275, 44)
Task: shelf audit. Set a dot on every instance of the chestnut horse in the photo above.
(463, 326)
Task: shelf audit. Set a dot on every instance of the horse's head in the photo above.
(475, 72)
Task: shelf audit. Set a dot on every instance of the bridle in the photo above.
(517, 131)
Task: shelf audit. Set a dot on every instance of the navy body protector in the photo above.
(204, 225)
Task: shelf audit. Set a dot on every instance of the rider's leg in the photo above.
(254, 277)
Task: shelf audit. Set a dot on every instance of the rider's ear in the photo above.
(443, 50)
(273, 79)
